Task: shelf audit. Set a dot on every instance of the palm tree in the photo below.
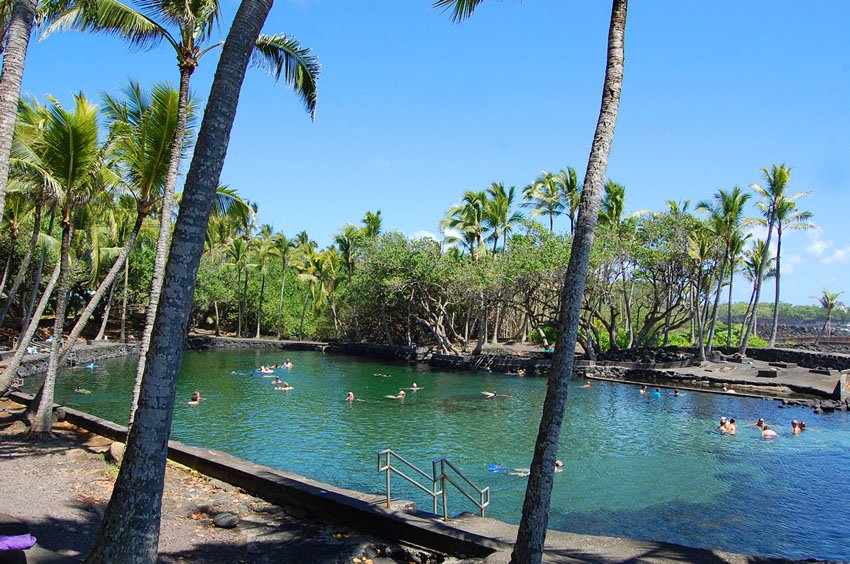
(535, 510)
(787, 217)
(544, 195)
(571, 191)
(498, 215)
(755, 260)
(777, 178)
(263, 249)
(129, 530)
(829, 302)
(308, 267)
(238, 254)
(468, 219)
(283, 249)
(372, 224)
(726, 212)
(194, 21)
(72, 158)
(348, 241)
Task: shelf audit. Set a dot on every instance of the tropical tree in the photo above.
(571, 192)
(785, 217)
(193, 23)
(726, 214)
(283, 249)
(535, 510)
(467, 219)
(756, 260)
(129, 530)
(263, 251)
(372, 224)
(73, 160)
(499, 216)
(829, 302)
(545, 197)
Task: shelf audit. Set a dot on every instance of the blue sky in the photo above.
(414, 110)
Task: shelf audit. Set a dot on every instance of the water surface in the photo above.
(635, 466)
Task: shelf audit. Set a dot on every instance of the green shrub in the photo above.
(550, 332)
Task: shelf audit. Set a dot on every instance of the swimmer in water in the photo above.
(656, 393)
(276, 380)
(287, 364)
(723, 424)
(489, 395)
(676, 393)
(795, 427)
(586, 385)
(768, 433)
(760, 423)
(350, 396)
(802, 426)
(414, 387)
(643, 389)
(559, 466)
(731, 428)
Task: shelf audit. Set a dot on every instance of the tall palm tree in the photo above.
(756, 259)
(263, 250)
(142, 127)
(372, 224)
(129, 530)
(348, 241)
(535, 510)
(73, 159)
(726, 214)
(787, 217)
(777, 178)
(829, 302)
(284, 249)
(308, 268)
(193, 23)
(545, 197)
(468, 219)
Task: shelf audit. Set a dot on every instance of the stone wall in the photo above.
(806, 359)
(82, 354)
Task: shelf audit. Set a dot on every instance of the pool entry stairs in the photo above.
(443, 473)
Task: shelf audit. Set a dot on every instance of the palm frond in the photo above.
(111, 18)
(280, 55)
(462, 8)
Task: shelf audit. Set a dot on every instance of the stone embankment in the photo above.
(82, 354)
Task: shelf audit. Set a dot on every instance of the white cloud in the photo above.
(424, 234)
(790, 262)
(818, 247)
(840, 255)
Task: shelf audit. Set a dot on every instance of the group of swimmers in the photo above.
(727, 427)
(657, 392)
(269, 369)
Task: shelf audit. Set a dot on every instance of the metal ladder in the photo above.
(442, 472)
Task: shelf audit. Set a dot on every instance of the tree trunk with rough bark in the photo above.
(24, 266)
(8, 376)
(17, 41)
(280, 301)
(772, 341)
(102, 331)
(164, 229)
(129, 531)
(43, 421)
(124, 301)
(535, 509)
(751, 326)
(260, 306)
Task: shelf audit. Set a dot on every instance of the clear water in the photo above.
(636, 466)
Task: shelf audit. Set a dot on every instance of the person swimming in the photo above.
(643, 389)
(676, 393)
(401, 395)
(80, 390)
(586, 384)
(414, 387)
(349, 396)
(276, 380)
(795, 427)
(559, 466)
(760, 423)
(656, 393)
(731, 427)
(802, 426)
(287, 364)
(768, 433)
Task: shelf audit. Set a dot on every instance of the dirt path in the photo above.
(60, 488)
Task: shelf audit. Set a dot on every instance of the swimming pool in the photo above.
(635, 465)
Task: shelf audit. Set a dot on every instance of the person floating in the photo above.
(286, 387)
(586, 384)
(276, 380)
(401, 395)
(349, 396)
(414, 387)
(768, 433)
(287, 364)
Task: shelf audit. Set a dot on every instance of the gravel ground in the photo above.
(59, 489)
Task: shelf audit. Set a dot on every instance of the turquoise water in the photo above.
(635, 466)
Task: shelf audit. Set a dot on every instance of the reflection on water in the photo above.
(635, 466)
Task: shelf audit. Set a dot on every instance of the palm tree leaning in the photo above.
(129, 530)
(535, 510)
(195, 22)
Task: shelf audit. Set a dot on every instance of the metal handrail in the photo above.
(483, 494)
(438, 477)
(388, 455)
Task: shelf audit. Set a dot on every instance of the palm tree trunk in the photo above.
(164, 229)
(43, 421)
(244, 301)
(260, 305)
(729, 306)
(8, 376)
(303, 313)
(17, 42)
(535, 509)
(8, 263)
(699, 320)
(130, 527)
(25, 264)
(751, 326)
(239, 301)
(124, 301)
(280, 301)
(217, 323)
(106, 311)
(714, 308)
(25, 318)
(105, 284)
(772, 341)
